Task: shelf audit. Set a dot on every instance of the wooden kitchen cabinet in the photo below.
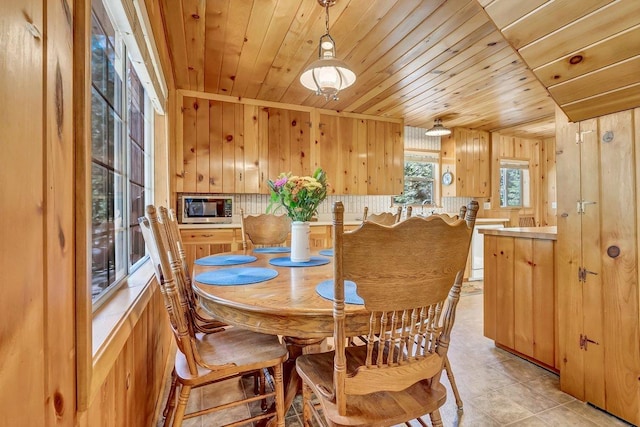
(385, 158)
(466, 154)
(233, 147)
(520, 292)
(201, 242)
(288, 142)
(213, 132)
(362, 156)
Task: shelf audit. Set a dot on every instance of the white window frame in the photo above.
(424, 156)
(525, 183)
(122, 238)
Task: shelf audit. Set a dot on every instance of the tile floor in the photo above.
(497, 388)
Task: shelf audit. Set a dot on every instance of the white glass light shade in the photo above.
(438, 129)
(327, 77)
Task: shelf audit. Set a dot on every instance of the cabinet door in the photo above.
(212, 133)
(504, 275)
(376, 173)
(199, 243)
(188, 168)
(534, 299)
(320, 237)
(330, 154)
(472, 163)
(466, 154)
(448, 164)
(254, 138)
(490, 285)
(289, 142)
(232, 128)
(343, 153)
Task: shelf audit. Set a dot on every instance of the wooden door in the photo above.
(619, 261)
(597, 227)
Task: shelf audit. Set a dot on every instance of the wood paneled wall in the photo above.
(129, 394)
(541, 154)
(39, 253)
(37, 341)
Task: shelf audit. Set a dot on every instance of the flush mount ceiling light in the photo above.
(327, 75)
(438, 129)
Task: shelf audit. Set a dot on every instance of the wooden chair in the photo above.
(409, 211)
(405, 274)
(384, 218)
(264, 230)
(203, 359)
(202, 321)
(526, 221)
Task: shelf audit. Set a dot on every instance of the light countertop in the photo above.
(547, 233)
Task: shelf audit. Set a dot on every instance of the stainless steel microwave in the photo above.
(205, 209)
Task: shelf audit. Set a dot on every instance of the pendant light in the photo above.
(438, 129)
(327, 75)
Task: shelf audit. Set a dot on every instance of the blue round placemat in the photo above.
(285, 261)
(325, 290)
(326, 252)
(225, 259)
(273, 250)
(236, 276)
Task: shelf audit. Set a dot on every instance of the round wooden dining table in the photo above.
(287, 305)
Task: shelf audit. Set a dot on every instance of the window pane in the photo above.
(514, 183)
(418, 183)
(121, 157)
(136, 132)
(103, 250)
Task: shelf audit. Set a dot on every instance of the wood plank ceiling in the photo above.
(587, 52)
(415, 59)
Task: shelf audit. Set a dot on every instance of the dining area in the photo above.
(365, 321)
(530, 109)
(259, 291)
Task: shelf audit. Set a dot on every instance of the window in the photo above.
(514, 183)
(120, 157)
(420, 170)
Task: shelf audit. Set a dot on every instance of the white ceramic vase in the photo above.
(300, 251)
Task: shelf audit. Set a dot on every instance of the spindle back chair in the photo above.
(409, 276)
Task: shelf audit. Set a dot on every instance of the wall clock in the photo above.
(447, 178)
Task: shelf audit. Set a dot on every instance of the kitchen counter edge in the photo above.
(546, 233)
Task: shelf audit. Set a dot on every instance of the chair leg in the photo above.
(262, 381)
(306, 405)
(452, 380)
(436, 420)
(185, 390)
(279, 386)
(170, 405)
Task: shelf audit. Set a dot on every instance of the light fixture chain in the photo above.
(326, 20)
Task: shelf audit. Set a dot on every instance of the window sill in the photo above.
(114, 321)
